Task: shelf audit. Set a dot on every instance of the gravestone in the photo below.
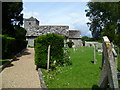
(109, 69)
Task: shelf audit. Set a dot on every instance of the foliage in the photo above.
(105, 20)
(84, 38)
(11, 46)
(4, 61)
(22, 45)
(13, 38)
(56, 43)
(66, 59)
(7, 47)
(20, 33)
(11, 16)
(30, 46)
(81, 74)
(70, 44)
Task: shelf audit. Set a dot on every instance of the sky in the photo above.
(59, 13)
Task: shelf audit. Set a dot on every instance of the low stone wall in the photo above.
(42, 82)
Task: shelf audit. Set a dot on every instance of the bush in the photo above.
(8, 47)
(56, 43)
(11, 46)
(70, 44)
(22, 45)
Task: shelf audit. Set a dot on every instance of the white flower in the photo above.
(54, 62)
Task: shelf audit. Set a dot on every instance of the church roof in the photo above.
(31, 19)
(74, 34)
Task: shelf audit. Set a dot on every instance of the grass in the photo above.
(81, 74)
(4, 60)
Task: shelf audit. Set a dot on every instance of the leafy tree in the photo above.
(70, 44)
(84, 38)
(104, 18)
(11, 15)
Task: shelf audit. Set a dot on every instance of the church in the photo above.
(34, 30)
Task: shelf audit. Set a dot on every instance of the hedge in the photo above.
(11, 46)
(56, 50)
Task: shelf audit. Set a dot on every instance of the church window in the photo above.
(29, 23)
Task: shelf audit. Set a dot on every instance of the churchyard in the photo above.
(57, 56)
(89, 68)
(83, 73)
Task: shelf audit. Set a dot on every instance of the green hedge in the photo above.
(11, 46)
(56, 51)
(21, 44)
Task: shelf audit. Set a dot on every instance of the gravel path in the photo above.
(21, 73)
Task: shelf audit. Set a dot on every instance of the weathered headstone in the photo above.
(109, 70)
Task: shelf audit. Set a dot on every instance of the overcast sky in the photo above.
(59, 13)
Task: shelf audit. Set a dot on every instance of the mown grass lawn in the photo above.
(81, 74)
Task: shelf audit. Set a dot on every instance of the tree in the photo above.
(104, 18)
(11, 16)
(84, 38)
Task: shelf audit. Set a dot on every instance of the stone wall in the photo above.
(87, 43)
(30, 41)
(77, 42)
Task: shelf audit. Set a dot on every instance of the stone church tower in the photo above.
(28, 23)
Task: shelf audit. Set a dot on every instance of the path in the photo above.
(21, 73)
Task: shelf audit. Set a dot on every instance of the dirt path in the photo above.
(21, 73)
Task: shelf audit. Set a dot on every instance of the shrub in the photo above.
(22, 44)
(11, 46)
(70, 44)
(8, 48)
(56, 43)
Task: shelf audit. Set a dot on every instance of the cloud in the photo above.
(30, 13)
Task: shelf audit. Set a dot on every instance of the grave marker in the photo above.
(109, 70)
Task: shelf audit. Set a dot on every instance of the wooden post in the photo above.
(95, 61)
(48, 58)
(109, 70)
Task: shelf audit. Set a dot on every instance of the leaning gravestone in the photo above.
(109, 70)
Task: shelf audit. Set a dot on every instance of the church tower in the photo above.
(28, 23)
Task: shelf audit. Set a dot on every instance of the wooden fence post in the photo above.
(109, 70)
(95, 60)
(48, 58)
